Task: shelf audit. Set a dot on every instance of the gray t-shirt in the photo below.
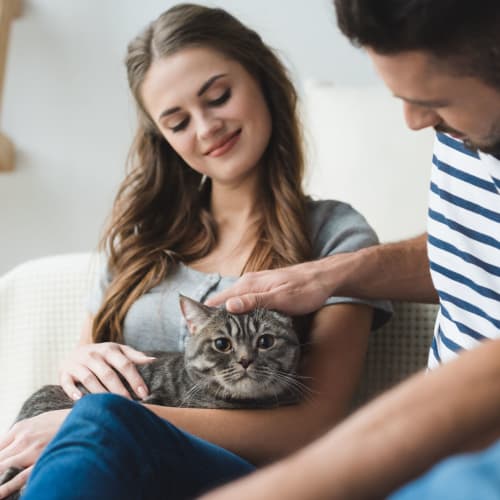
(155, 321)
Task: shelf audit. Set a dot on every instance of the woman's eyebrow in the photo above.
(209, 82)
(200, 92)
(168, 111)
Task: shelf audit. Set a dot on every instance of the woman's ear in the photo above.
(195, 313)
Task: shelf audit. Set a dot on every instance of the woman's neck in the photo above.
(236, 211)
(235, 206)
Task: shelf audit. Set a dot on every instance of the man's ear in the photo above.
(195, 313)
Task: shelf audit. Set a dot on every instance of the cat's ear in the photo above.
(195, 313)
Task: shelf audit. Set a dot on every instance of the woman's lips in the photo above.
(226, 145)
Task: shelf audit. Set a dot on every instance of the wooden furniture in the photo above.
(9, 10)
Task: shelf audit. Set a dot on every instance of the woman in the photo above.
(214, 191)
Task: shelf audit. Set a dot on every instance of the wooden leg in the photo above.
(7, 153)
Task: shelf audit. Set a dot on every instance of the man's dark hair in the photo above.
(462, 34)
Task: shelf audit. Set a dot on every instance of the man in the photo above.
(442, 59)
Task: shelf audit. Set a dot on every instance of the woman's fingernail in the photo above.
(141, 392)
(76, 396)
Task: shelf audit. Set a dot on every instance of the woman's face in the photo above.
(210, 110)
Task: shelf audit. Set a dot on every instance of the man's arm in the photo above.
(397, 271)
(392, 440)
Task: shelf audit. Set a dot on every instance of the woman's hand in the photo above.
(94, 365)
(24, 443)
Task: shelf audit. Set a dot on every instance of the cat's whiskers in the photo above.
(191, 393)
(288, 381)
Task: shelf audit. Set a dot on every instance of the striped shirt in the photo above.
(464, 247)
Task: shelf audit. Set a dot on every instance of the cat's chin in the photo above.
(245, 388)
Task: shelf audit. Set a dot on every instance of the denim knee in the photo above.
(106, 402)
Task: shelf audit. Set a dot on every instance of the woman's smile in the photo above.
(224, 145)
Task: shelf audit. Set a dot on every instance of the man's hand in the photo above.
(294, 290)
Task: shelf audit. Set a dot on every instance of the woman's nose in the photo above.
(418, 117)
(208, 126)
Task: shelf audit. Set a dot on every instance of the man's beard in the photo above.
(491, 146)
(490, 149)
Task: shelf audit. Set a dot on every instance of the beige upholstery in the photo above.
(398, 349)
(42, 308)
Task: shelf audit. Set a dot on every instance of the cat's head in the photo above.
(249, 356)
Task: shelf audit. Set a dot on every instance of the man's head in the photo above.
(442, 58)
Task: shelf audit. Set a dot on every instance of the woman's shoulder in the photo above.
(335, 226)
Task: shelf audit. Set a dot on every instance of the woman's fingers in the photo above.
(124, 360)
(87, 377)
(6, 441)
(24, 443)
(98, 368)
(138, 357)
(102, 368)
(16, 483)
(68, 385)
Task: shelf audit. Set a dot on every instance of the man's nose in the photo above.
(418, 117)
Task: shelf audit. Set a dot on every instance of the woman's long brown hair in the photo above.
(161, 212)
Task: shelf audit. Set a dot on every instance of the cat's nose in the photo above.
(245, 362)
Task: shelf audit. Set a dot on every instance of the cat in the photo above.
(230, 361)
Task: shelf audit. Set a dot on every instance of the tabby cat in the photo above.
(230, 361)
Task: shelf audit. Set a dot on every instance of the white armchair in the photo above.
(42, 308)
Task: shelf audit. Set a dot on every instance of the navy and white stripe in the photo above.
(464, 247)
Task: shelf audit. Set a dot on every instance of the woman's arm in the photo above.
(397, 271)
(339, 339)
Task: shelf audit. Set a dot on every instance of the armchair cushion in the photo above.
(42, 308)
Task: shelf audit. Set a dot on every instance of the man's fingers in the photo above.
(244, 303)
(220, 298)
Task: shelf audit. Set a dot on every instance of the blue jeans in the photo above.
(472, 476)
(112, 448)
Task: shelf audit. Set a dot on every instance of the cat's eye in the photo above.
(222, 344)
(265, 341)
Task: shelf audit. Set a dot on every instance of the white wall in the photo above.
(67, 109)
(363, 153)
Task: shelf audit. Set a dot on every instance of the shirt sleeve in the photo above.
(336, 227)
